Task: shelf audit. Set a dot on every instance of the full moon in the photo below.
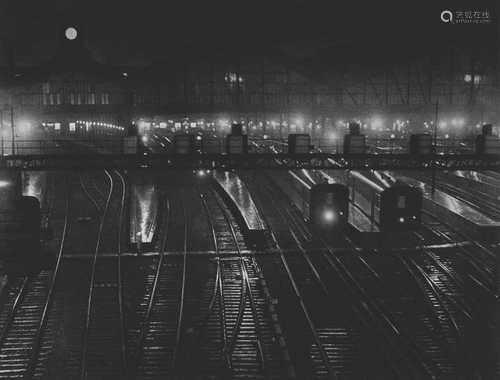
(71, 33)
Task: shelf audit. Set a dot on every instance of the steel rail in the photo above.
(24, 285)
(23, 288)
(327, 292)
(416, 318)
(246, 286)
(436, 291)
(145, 322)
(229, 346)
(44, 319)
(360, 288)
(154, 293)
(17, 303)
(459, 307)
(481, 267)
(456, 282)
(217, 290)
(37, 341)
(296, 221)
(120, 282)
(389, 313)
(183, 289)
(92, 278)
(391, 326)
(321, 349)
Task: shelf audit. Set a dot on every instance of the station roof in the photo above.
(336, 42)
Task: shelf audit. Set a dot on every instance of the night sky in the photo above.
(140, 32)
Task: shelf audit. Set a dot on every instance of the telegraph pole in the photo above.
(433, 183)
(1, 128)
(12, 125)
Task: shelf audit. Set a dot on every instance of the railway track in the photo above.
(209, 307)
(478, 256)
(319, 322)
(248, 348)
(480, 201)
(103, 350)
(462, 312)
(156, 347)
(24, 317)
(460, 282)
(202, 316)
(68, 315)
(420, 322)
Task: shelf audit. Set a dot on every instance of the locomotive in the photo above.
(324, 204)
(20, 242)
(392, 205)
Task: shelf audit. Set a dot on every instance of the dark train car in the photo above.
(392, 205)
(20, 239)
(32, 215)
(325, 205)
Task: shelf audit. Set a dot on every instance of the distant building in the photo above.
(234, 78)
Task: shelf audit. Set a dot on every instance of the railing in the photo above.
(25, 147)
(115, 146)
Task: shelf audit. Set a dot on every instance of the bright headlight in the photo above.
(328, 215)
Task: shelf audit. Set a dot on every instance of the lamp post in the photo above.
(433, 183)
(1, 127)
(12, 125)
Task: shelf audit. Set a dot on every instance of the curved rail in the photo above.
(120, 282)
(38, 341)
(216, 291)
(246, 287)
(24, 291)
(183, 289)
(88, 186)
(483, 260)
(321, 348)
(357, 290)
(146, 323)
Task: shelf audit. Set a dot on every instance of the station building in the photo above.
(211, 83)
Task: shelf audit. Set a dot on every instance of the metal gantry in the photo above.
(251, 161)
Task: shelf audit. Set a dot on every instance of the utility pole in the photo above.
(433, 183)
(12, 125)
(1, 127)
